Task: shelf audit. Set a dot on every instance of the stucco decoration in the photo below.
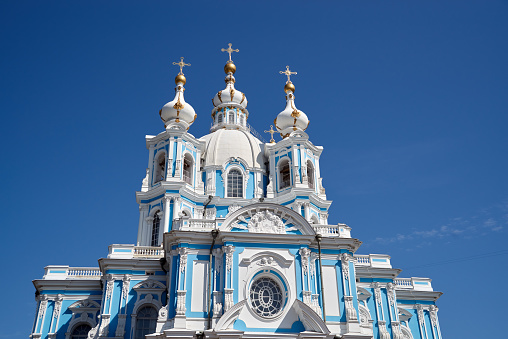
(267, 218)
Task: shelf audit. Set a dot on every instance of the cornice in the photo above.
(377, 272)
(417, 295)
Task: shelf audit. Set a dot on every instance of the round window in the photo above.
(266, 297)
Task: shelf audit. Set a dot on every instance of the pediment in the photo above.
(267, 218)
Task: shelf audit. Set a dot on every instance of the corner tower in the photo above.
(295, 176)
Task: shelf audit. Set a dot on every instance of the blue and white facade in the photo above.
(234, 242)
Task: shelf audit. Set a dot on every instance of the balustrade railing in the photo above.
(84, 272)
(403, 283)
(148, 252)
(362, 260)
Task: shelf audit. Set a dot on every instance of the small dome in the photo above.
(230, 95)
(178, 111)
(224, 144)
(291, 119)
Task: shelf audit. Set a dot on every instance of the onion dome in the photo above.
(230, 105)
(178, 111)
(290, 119)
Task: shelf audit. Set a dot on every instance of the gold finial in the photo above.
(181, 64)
(229, 50)
(288, 73)
(271, 131)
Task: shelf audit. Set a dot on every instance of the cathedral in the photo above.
(234, 242)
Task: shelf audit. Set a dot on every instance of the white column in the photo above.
(170, 158)
(150, 165)
(176, 207)
(306, 206)
(167, 204)
(143, 209)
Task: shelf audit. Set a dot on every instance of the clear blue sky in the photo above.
(408, 98)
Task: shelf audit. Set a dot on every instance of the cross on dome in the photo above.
(288, 73)
(271, 131)
(229, 50)
(181, 64)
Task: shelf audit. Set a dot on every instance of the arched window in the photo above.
(187, 168)
(285, 174)
(231, 117)
(160, 168)
(146, 321)
(235, 184)
(219, 119)
(310, 174)
(156, 224)
(242, 120)
(81, 331)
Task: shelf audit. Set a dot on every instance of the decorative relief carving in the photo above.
(125, 286)
(229, 257)
(433, 315)
(217, 305)
(305, 254)
(421, 320)
(218, 260)
(397, 334)
(109, 287)
(345, 264)
(228, 299)
(163, 313)
(180, 302)
(267, 222)
(312, 264)
(350, 309)
(233, 208)
(183, 258)
(315, 304)
(266, 261)
(377, 292)
(42, 306)
(58, 306)
(120, 328)
(104, 326)
(307, 298)
(390, 289)
(382, 330)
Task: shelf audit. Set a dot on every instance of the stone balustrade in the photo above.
(59, 272)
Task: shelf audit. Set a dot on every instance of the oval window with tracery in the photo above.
(266, 297)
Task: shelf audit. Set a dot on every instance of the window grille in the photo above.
(266, 297)
(146, 322)
(310, 174)
(155, 230)
(242, 120)
(219, 119)
(231, 117)
(285, 175)
(81, 331)
(235, 184)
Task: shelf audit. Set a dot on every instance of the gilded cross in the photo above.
(288, 73)
(181, 64)
(271, 131)
(229, 50)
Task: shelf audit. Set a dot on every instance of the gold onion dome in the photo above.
(290, 119)
(230, 97)
(178, 111)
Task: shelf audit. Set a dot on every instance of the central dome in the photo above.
(225, 144)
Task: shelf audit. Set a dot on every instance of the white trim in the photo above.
(245, 179)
